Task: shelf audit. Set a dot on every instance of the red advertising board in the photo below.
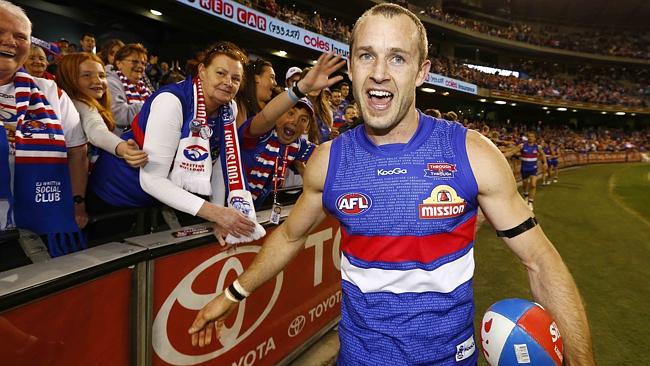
(83, 325)
(267, 326)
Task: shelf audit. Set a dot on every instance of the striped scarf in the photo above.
(135, 93)
(42, 195)
(262, 172)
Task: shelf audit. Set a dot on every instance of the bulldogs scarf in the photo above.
(135, 93)
(261, 175)
(42, 194)
(192, 168)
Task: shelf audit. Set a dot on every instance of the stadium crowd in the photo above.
(588, 84)
(619, 43)
(617, 86)
(102, 105)
(302, 17)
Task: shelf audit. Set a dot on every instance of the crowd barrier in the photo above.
(131, 302)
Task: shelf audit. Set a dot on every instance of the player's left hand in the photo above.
(212, 315)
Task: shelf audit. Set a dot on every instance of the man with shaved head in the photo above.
(406, 188)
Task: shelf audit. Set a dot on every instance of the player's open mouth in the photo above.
(7, 54)
(379, 99)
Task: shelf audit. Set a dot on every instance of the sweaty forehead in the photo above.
(383, 33)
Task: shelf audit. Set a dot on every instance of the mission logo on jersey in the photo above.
(353, 203)
(443, 203)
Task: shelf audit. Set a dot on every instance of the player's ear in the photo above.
(423, 72)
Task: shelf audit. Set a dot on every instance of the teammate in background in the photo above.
(531, 153)
(553, 162)
(546, 169)
(407, 290)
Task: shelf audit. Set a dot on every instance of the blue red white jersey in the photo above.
(408, 214)
(554, 153)
(529, 156)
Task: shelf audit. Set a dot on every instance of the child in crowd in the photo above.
(82, 76)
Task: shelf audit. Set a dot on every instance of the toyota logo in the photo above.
(296, 326)
(184, 296)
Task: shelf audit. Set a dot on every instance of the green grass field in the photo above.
(598, 217)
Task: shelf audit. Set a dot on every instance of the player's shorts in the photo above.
(528, 173)
(552, 162)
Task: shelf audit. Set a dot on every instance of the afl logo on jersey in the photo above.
(353, 203)
(195, 153)
(443, 203)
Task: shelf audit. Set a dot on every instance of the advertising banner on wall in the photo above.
(88, 324)
(252, 19)
(267, 326)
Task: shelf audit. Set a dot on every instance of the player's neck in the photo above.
(400, 133)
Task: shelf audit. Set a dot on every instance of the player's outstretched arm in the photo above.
(551, 283)
(278, 249)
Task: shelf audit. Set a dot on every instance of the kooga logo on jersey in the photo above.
(395, 171)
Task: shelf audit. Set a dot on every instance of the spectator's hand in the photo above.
(220, 233)
(130, 151)
(228, 220)
(11, 132)
(80, 215)
(213, 314)
(319, 76)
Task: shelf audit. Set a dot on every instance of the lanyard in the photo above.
(279, 173)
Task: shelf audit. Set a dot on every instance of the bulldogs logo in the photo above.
(241, 205)
(195, 153)
(31, 127)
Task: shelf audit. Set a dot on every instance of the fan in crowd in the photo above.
(83, 77)
(257, 90)
(36, 64)
(42, 146)
(126, 85)
(108, 51)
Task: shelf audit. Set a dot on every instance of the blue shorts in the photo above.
(528, 173)
(552, 162)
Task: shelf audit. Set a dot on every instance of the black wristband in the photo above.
(297, 91)
(77, 199)
(236, 293)
(519, 229)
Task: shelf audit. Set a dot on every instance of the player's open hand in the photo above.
(211, 316)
